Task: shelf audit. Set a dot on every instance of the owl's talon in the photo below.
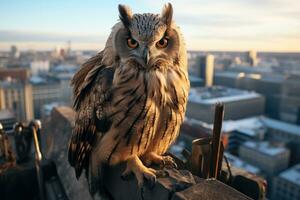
(150, 182)
(141, 172)
(168, 162)
(162, 161)
(148, 177)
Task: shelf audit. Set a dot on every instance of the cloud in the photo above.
(26, 36)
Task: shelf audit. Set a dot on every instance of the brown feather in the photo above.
(80, 79)
(92, 93)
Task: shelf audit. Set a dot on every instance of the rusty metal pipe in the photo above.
(216, 140)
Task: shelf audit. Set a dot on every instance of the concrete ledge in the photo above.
(58, 129)
(173, 184)
(209, 189)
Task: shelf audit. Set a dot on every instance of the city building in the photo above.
(39, 67)
(286, 186)
(240, 131)
(4, 59)
(16, 93)
(18, 98)
(45, 90)
(269, 158)
(18, 74)
(279, 131)
(195, 81)
(66, 88)
(2, 99)
(7, 119)
(255, 129)
(240, 164)
(280, 90)
(14, 52)
(252, 58)
(269, 85)
(289, 109)
(261, 128)
(238, 103)
(206, 65)
(64, 73)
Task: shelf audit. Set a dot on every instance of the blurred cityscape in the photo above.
(260, 91)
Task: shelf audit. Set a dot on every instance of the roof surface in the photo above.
(292, 174)
(215, 94)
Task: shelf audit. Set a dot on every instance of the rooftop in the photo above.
(252, 132)
(265, 148)
(282, 126)
(252, 123)
(275, 78)
(212, 95)
(259, 122)
(292, 174)
(238, 163)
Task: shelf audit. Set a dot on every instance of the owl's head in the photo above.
(151, 40)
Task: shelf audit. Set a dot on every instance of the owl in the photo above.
(130, 99)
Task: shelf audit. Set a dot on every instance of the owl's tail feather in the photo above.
(95, 179)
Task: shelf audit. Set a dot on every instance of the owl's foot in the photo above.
(168, 162)
(141, 172)
(163, 161)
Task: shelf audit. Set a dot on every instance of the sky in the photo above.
(229, 25)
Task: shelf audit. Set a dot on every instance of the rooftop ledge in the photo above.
(173, 185)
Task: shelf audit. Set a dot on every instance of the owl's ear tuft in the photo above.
(125, 14)
(167, 14)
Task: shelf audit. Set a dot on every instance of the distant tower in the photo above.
(252, 58)
(56, 51)
(14, 52)
(69, 47)
(207, 69)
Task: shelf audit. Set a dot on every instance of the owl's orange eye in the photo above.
(163, 43)
(132, 43)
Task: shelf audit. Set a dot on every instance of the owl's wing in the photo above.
(92, 93)
(84, 77)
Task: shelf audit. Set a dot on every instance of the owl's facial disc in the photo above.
(149, 55)
(148, 39)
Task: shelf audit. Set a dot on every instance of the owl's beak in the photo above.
(146, 55)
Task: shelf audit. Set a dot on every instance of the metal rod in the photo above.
(219, 113)
(38, 159)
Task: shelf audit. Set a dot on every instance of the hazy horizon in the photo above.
(266, 25)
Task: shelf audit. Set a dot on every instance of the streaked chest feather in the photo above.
(132, 85)
(146, 106)
(145, 100)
